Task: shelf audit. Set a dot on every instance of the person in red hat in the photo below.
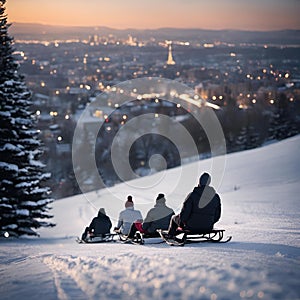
(128, 216)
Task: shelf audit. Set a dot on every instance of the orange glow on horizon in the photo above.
(156, 14)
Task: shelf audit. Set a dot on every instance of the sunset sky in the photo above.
(213, 14)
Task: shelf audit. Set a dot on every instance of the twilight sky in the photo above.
(206, 14)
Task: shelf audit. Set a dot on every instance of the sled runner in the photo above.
(103, 238)
(141, 239)
(185, 237)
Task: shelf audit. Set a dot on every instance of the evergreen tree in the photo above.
(253, 140)
(242, 139)
(23, 200)
(283, 123)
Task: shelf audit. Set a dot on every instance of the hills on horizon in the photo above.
(29, 31)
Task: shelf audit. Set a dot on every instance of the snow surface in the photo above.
(260, 200)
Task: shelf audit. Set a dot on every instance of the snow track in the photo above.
(192, 272)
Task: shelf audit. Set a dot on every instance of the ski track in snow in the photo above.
(163, 275)
(260, 201)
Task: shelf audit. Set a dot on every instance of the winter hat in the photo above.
(204, 179)
(101, 211)
(160, 198)
(129, 202)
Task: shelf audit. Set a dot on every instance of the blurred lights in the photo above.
(59, 138)
(6, 234)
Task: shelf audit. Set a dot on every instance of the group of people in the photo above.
(200, 211)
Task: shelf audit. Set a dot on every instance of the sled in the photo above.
(183, 237)
(140, 239)
(103, 238)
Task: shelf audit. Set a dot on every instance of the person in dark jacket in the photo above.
(157, 217)
(100, 225)
(201, 209)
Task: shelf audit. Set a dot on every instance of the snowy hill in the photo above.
(260, 195)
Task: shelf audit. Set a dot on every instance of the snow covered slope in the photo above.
(260, 197)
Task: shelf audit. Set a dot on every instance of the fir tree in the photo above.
(23, 200)
(242, 139)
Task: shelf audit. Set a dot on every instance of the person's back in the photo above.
(159, 216)
(128, 216)
(100, 224)
(202, 208)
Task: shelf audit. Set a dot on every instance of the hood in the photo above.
(204, 179)
(101, 212)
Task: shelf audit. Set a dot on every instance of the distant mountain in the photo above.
(27, 31)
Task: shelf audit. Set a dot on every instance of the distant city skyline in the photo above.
(143, 14)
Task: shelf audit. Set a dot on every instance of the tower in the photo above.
(170, 60)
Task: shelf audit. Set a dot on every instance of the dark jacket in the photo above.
(158, 217)
(201, 209)
(100, 224)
